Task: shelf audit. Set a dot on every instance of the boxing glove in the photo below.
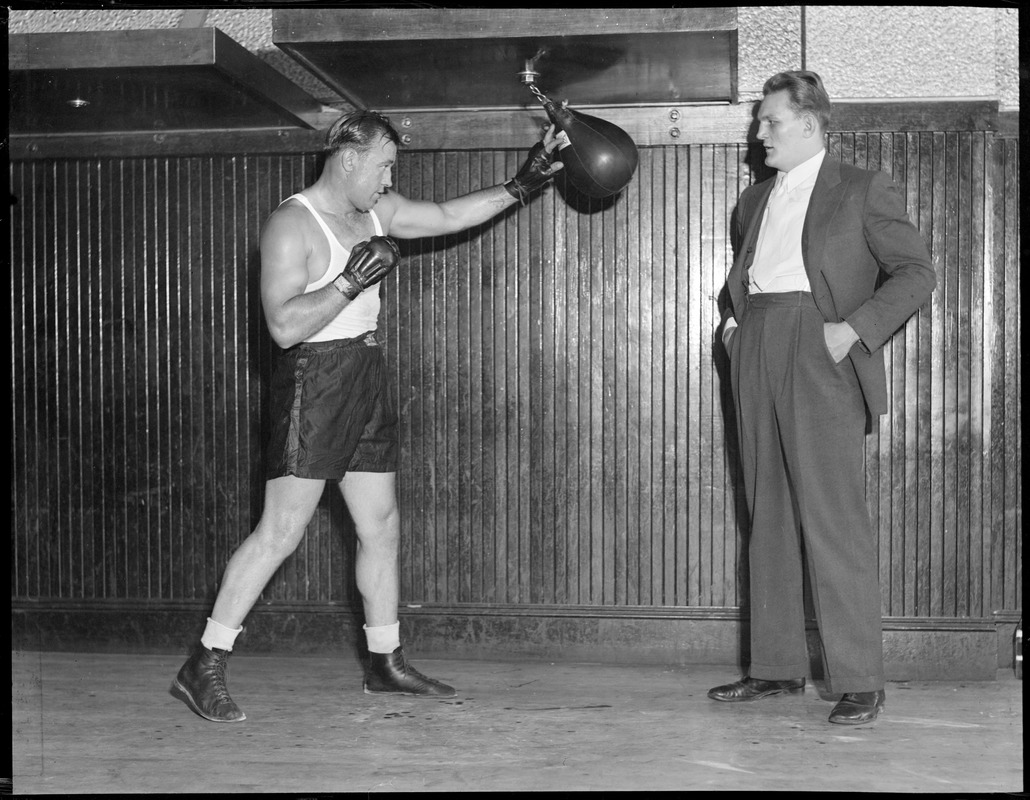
(537, 171)
(370, 261)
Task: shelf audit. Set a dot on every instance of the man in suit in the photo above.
(828, 266)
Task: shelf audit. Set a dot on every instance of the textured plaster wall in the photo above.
(885, 52)
(867, 52)
(904, 51)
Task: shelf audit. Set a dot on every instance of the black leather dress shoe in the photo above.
(855, 708)
(390, 673)
(755, 689)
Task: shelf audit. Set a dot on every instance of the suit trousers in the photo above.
(801, 422)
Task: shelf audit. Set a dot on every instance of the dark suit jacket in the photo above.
(856, 229)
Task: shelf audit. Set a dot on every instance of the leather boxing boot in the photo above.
(755, 689)
(390, 673)
(201, 685)
(856, 708)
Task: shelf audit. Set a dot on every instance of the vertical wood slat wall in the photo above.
(564, 429)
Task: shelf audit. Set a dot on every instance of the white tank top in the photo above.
(359, 316)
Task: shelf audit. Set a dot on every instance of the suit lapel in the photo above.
(826, 196)
(752, 219)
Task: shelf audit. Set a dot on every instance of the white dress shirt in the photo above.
(778, 265)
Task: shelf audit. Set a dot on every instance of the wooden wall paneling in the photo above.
(548, 377)
(122, 361)
(968, 579)
(468, 266)
(76, 347)
(559, 499)
(26, 579)
(570, 277)
(58, 314)
(206, 444)
(585, 488)
(496, 278)
(993, 191)
(640, 481)
(408, 280)
(517, 361)
(178, 346)
(50, 554)
(589, 434)
(563, 431)
(112, 460)
(444, 296)
(473, 270)
(227, 266)
(724, 199)
(928, 538)
(925, 376)
(445, 391)
(862, 150)
(613, 264)
(1010, 575)
(42, 512)
(532, 404)
(618, 352)
(710, 262)
(699, 360)
(942, 539)
(667, 536)
(956, 528)
(435, 396)
(433, 531)
(502, 275)
(682, 553)
(20, 389)
(587, 483)
(463, 265)
(908, 440)
(688, 444)
(648, 273)
(601, 442)
(592, 443)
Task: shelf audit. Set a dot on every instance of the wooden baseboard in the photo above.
(914, 649)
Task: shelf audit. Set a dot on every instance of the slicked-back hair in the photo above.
(360, 130)
(806, 93)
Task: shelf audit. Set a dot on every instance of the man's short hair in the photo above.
(360, 130)
(806, 93)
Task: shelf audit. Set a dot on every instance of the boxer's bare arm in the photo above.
(291, 315)
(414, 219)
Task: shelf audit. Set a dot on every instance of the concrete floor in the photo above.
(107, 724)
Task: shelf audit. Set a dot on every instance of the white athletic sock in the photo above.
(217, 635)
(383, 638)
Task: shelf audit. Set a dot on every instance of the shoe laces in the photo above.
(218, 669)
(414, 673)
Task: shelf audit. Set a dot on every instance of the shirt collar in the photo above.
(806, 170)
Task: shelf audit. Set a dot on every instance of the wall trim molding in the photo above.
(21, 605)
(513, 129)
(925, 648)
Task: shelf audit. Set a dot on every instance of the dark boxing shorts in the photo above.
(331, 411)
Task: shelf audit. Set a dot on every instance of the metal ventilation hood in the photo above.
(180, 79)
(461, 59)
(453, 72)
